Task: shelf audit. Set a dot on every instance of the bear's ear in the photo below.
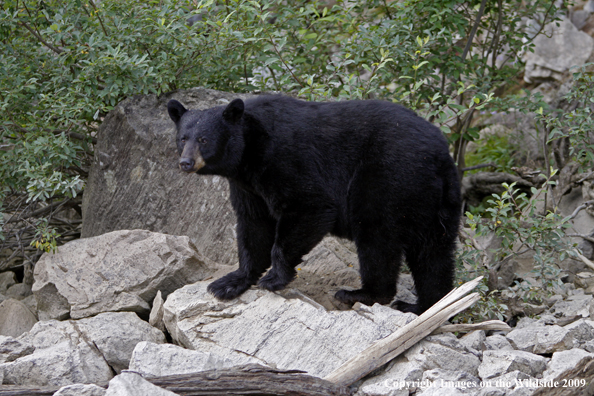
(234, 111)
(176, 110)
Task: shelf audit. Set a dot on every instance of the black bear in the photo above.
(371, 171)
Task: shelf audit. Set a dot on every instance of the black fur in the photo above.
(370, 171)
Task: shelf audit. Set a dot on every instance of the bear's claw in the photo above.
(274, 281)
(350, 297)
(229, 286)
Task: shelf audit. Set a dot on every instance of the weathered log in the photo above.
(386, 349)
(249, 380)
(245, 380)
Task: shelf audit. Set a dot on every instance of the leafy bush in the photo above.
(64, 65)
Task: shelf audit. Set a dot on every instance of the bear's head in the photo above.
(208, 141)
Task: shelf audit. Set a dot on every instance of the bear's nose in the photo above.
(186, 164)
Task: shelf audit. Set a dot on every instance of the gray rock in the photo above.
(156, 315)
(384, 392)
(450, 382)
(508, 380)
(2, 297)
(565, 361)
(31, 303)
(474, 340)
(581, 331)
(18, 291)
(116, 334)
(266, 328)
(446, 391)
(541, 339)
(444, 352)
(7, 279)
(555, 51)
(522, 391)
(135, 181)
(63, 356)
(573, 305)
(579, 18)
(526, 322)
(385, 316)
(589, 346)
(497, 342)
(397, 379)
(154, 360)
(490, 391)
(132, 384)
(15, 318)
(12, 349)
(118, 271)
(497, 363)
(79, 351)
(80, 390)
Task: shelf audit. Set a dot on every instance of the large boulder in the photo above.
(135, 182)
(118, 271)
(558, 49)
(287, 331)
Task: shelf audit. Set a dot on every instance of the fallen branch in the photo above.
(586, 237)
(578, 210)
(488, 325)
(585, 260)
(386, 349)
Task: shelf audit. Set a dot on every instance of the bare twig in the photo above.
(586, 237)
(98, 17)
(579, 209)
(38, 37)
(283, 61)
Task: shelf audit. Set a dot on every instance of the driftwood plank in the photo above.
(487, 325)
(386, 349)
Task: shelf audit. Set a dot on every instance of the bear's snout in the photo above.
(186, 164)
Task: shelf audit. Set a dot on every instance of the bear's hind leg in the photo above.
(432, 269)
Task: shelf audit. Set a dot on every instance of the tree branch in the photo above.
(474, 29)
(38, 36)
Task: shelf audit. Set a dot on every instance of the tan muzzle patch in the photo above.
(194, 153)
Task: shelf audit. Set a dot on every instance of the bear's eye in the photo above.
(202, 140)
(183, 139)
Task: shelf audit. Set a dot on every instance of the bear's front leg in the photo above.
(255, 238)
(296, 234)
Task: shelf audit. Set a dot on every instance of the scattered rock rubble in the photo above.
(285, 330)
